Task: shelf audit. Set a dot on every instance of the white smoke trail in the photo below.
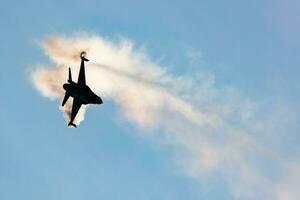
(213, 130)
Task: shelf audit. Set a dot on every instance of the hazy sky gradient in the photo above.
(251, 47)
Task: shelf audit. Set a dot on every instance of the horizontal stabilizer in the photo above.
(85, 59)
(82, 56)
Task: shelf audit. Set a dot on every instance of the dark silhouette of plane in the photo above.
(80, 92)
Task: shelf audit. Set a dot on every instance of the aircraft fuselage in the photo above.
(83, 93)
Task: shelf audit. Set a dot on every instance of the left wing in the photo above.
(75, 108)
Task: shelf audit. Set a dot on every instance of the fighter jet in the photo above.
(80, 92)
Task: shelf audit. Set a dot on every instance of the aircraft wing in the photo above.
(75, 108)
(81, 76)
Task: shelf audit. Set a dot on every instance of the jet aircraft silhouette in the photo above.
(80, 92)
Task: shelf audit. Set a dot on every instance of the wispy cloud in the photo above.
(213, 130)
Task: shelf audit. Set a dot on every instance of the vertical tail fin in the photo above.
(70, 76)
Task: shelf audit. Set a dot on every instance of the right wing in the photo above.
(67, 95)
(75, 108)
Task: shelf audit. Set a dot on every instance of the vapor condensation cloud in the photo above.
(214, 131)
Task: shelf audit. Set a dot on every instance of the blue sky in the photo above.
(250, 46)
